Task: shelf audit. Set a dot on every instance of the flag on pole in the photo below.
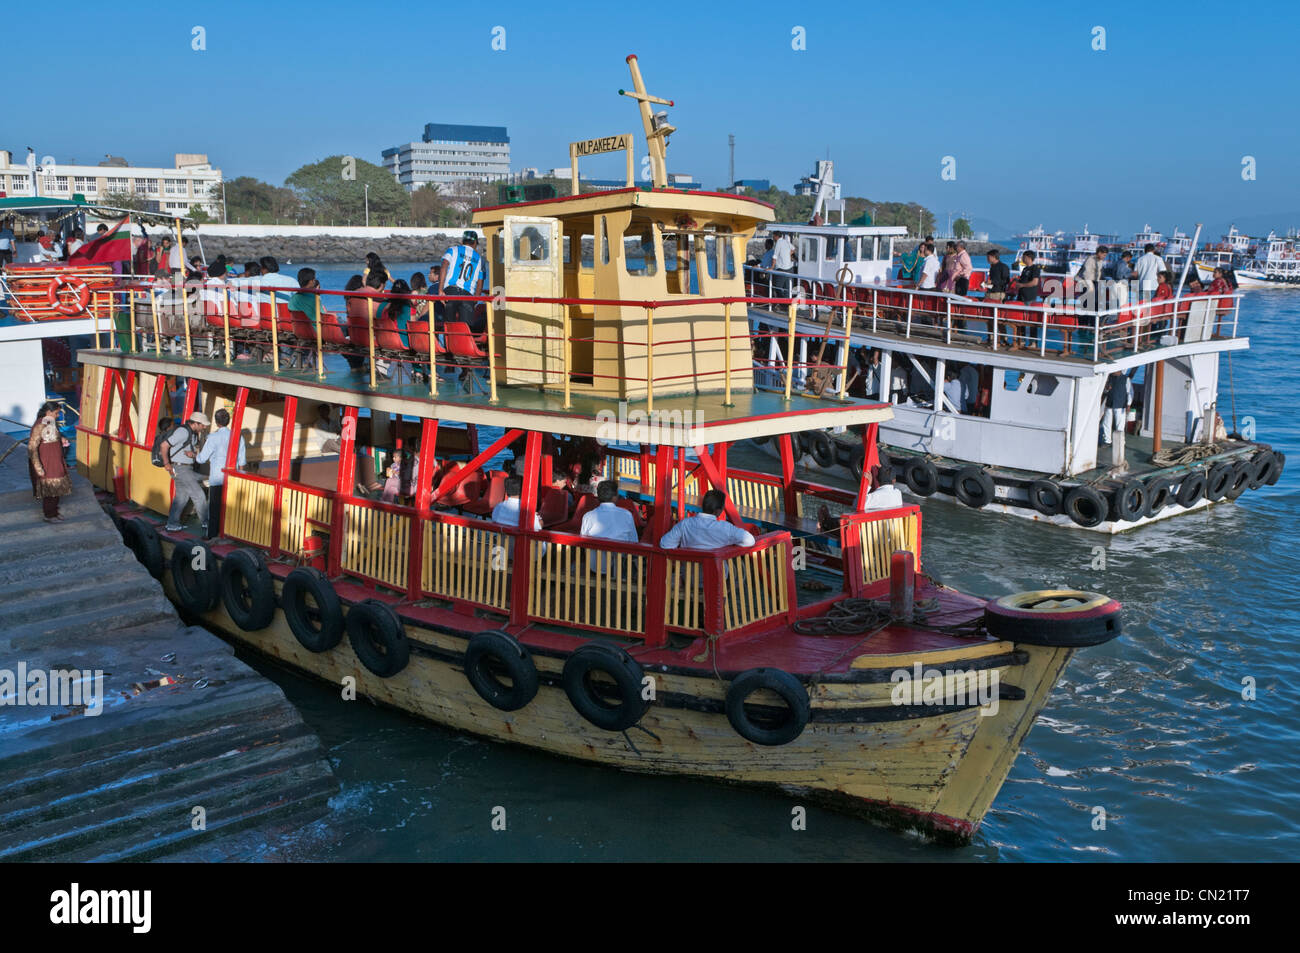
(113, 245)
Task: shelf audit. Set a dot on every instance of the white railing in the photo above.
(1055, 326)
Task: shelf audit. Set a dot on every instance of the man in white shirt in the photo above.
(608, 521)
(929, 268)
(952, 391)
(506, 513)
(214, 455)
(782, 260)
(1147, 270)
(704, 530)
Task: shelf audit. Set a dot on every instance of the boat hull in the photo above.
(933, 769)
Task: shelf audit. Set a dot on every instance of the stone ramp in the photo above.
(123, 785)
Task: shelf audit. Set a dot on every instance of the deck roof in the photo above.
(752, 413)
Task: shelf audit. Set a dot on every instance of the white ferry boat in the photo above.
(1048, 247)
(1024, 437)
(1275, 264)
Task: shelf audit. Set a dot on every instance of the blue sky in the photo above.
(1042, 127)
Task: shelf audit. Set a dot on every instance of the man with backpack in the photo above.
(178, 455)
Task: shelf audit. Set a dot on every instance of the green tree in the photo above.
(336, 186)
(961, 229)
(126, 200)
(250, 200)
(200, 215)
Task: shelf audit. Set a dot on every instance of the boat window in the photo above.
(850, 249)
(832, 248)
(639, 256)
(1011, 380)
(530, 242)
(1044, 384)
(568, 251)
(498, 253)
(604, 241)
(711, 250)
(728, 265)
(587, 252)
(808, 248)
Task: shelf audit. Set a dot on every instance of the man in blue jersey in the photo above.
(462, 274)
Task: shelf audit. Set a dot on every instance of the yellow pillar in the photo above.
(492, 361)
(726, 331)
(370, 320)
(130, 305)
(789, 353)
(320, 350)
(649, 359)
(157, 330)
(225, 320)
(185, 298)
(568, 355)
(94, 313)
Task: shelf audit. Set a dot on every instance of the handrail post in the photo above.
(907, 333)
(848, 336)
(185, 310)
(568, 356)
(1042, 342)
(433, 353)
(492, 358)
(94, 313)
(225, 319)
(726, 331)
(1096, 338)
(948, 333)
(789, 353)
(649, 358)
(995, 327)
(320, 348)
(130, 305)
(275, 334)
(875, 308)
(157, 330)
(370, 321)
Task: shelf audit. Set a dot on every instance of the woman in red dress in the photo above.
(49, 471)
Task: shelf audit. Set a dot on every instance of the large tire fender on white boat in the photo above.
(1191, 489)
(1054, 617)
(974, 487)
(1239, 480)
(1275, 472)
(1046, 497)
(1217, 481)
(1130, 501)
(1160, 493)
(1085, 506)
(769, 728)
(921, 476)
(1261, 465)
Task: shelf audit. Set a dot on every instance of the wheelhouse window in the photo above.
(832, 248)
(809, 248)
(530, 242)
(640, 256)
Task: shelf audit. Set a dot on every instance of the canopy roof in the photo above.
(18, 205)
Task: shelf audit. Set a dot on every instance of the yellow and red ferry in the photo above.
(820, 659)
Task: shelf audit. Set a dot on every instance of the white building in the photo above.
(809, 184)
(190, 183)
(451, 155)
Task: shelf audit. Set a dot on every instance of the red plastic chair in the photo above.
(386, 336)
(586, 501)
(555, 506)
(460, 343)
(976, 282)
(626, 504)
(492, 494)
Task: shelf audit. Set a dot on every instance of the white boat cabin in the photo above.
(867, 251)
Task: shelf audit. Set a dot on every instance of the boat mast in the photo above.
(657, 129)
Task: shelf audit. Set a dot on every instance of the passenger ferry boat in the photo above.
(1049, 248)
(819, 659)
(1273, 263)
(1085, 244)
(1231, 252)
(1024, 440)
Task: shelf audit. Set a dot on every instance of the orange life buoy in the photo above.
(74, 285)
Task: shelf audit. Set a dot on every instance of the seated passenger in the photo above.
(705, 530)
(363, 308)
(507, 511)
(608, 520)
(302, 301)
(398, 310)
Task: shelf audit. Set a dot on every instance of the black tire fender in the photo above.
(247, 590)
(974, 487)
(197, 589)
(822, 448)
(770, 728)
(492, 654)
(319, 629)
(1085, 506)
(1241, 471)
(1046, 497)
(1160, 493)
(1191, 489)
(589, 701)
(921, 476)
(1130, 501)
(378, 638)
(1217, 481)
(142, 539)
(1261, 465)
(1275, 472)
(1054, 617)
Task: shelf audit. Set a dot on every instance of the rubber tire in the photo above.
(1098, 626)
(300, 583)
(372, 622)
(1261, 464)
(618, 665)
(984, 488)
(142, 539)
(198, 591)
(1046, 497)
(1279, 464)
(802, 442)
(1191, 489)
(498, 648)
(1077, 498)
(1130, 501)
(246, 569)
(921, 477)
(1241, 471)
(1160, 493)
(823, 449)
(857, 460)
(1217, 481)
(782, 683)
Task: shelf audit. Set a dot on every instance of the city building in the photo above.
(190, 183)
(449, 156)
(757, 185)
(809, 184)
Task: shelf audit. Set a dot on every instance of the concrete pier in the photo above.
(187, 732)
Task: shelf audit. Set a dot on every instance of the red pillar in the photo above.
(527, 509)
(656, 632)
(787, 474)
(344, 488)
(283, 467)
(423, 493)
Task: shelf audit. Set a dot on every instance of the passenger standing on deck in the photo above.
(178, 455)
(782, 260)
(1116, 397)
(999, 277)
(7, 243)
(1028, 283)
(49, 470)
(1148, 269)
(963, 270)
(929, 268)
(214, 452)
(462, 274)
(705, 530)
(769, 250)
(948, 268)
(1123, 275)
(1087, 284)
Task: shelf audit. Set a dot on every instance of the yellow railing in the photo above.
(376, 544)
(684, 596)
(755, 585)
(466, 563)
(579, 585)
(248, 504)
(878, 539)
(756, 495)
(297, 508)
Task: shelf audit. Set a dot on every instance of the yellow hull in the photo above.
(936, 770)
